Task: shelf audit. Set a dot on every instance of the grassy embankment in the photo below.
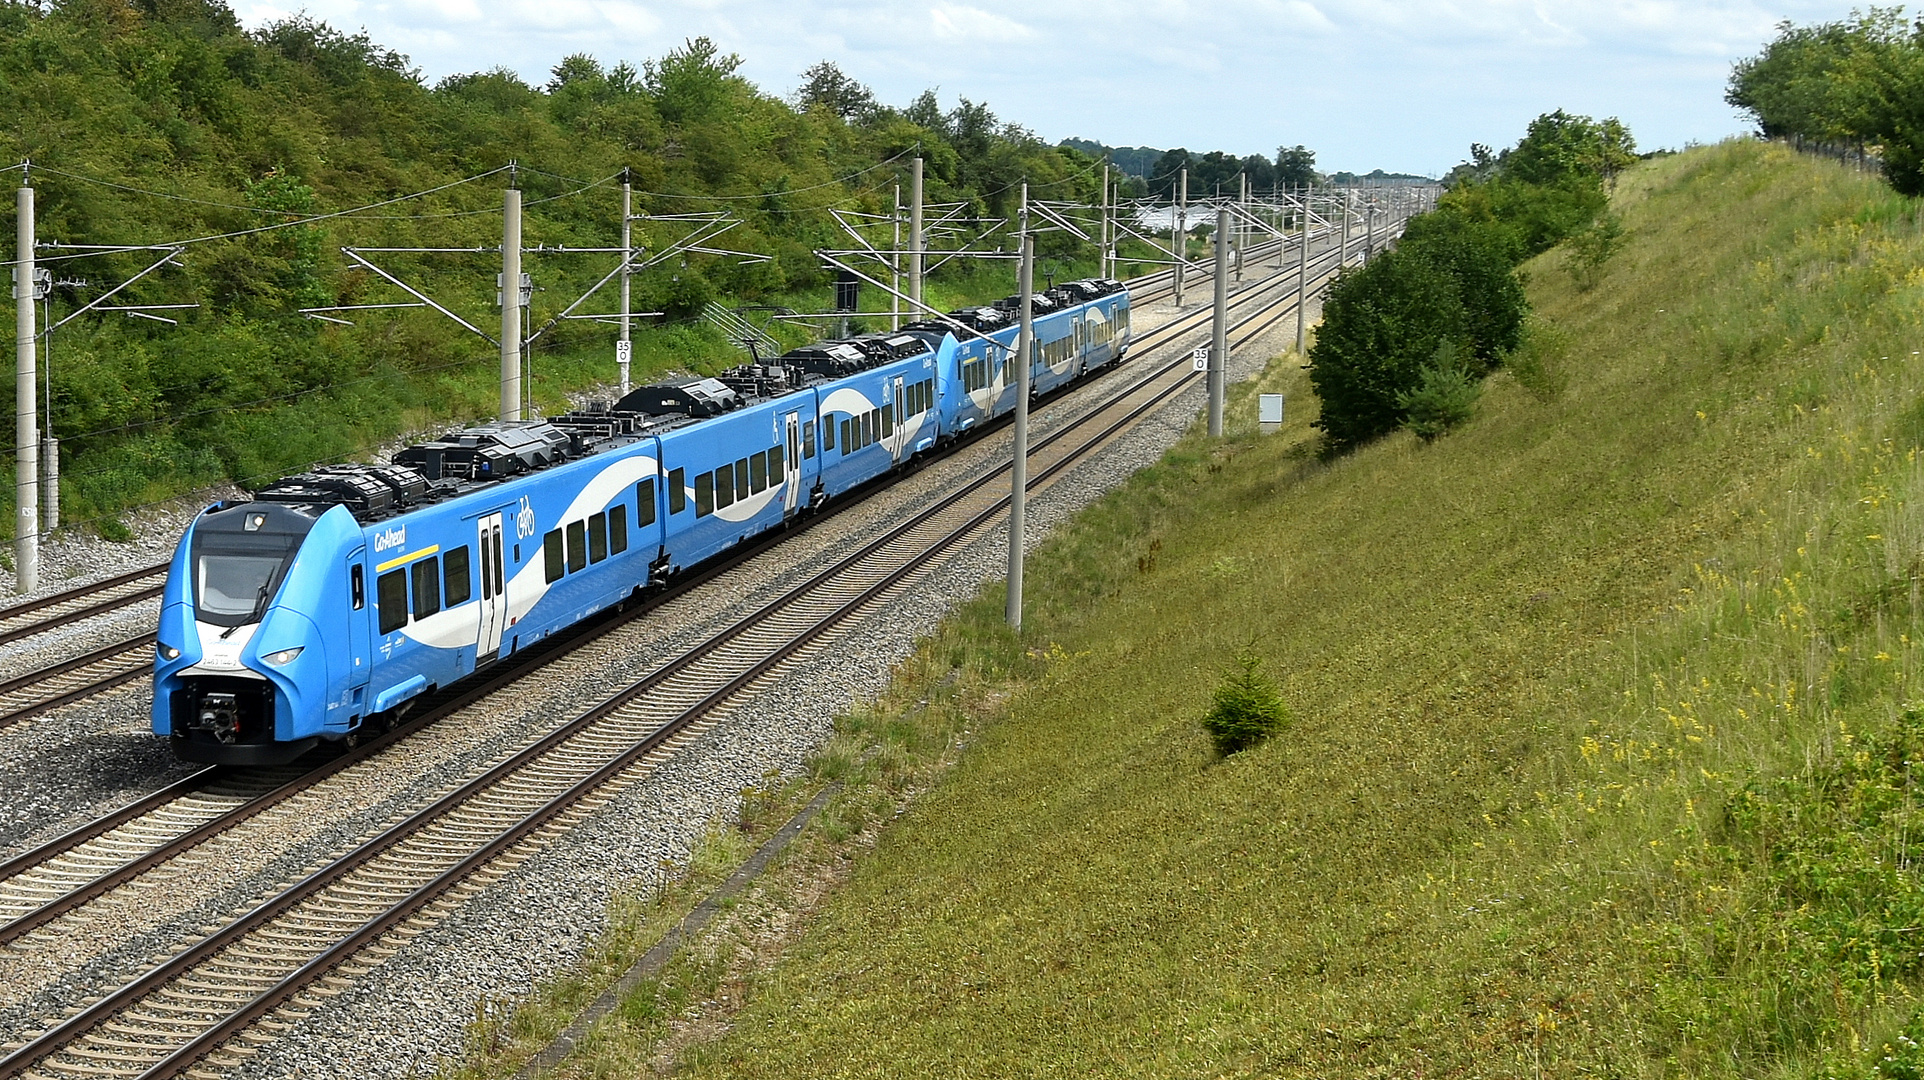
(1603, 753)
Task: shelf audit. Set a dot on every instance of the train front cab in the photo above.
(250, 665)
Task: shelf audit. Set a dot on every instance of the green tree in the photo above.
(1444, 396)
(1479, 256)
(1381, 325)
(1295, 166)
(1246, 708)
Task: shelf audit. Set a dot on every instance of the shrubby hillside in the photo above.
(162, 120)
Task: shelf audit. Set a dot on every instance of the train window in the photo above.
(724, 486)
(808, 438)
(617, 529)
(357, 587)
(777, 464)
(577, 546)
(758, 472)
(741, 479)
(455, 588)
(551, 554)
(677, 494)
(888, 420)
(644, 503)
(597, 537)
(391, 596)
(427, 587)
(828, 432)
(848, 444)
(704, 494)
(871, 426)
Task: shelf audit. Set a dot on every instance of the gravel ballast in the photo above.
(411, 1011)
(409, 1015)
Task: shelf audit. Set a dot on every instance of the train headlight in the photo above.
(167, 652)
(284, 657)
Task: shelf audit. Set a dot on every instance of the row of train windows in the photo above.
(438, 582)
(865, 429)
(975, 374)
(571, 548)
(730, 484)
(1056, 353)
(920, 397)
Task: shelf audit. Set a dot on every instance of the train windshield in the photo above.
(239, 557)
(233, 586)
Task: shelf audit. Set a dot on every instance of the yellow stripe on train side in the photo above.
(408, 558)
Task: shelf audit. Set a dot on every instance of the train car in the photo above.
(1078, 327)
(321, 608)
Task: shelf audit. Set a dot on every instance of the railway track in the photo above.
(268, 957)
(115, 665)
(77, 679)
(69, 606)
(65, 873)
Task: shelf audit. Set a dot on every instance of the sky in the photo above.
(1405, 87)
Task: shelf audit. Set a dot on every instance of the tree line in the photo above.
(1856, 81)
(1406, 339)
(152, 121)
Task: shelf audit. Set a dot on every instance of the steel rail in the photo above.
(291, 984)
(250, 808)
(261, 1004)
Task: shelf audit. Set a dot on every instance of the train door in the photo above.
(360, 661)
(792, 450)
(494, 593)
(900, 400)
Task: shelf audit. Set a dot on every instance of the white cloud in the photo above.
(971, 24)
(1365, 82)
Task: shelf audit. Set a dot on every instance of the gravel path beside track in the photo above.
(410, 1014)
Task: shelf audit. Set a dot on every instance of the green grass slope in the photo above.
(1602, 763)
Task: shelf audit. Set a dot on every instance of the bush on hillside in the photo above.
(1857, 81)
(1247, 708)
(1591, 248)
(1381, 325)
(1445, 395)
(1479, 258)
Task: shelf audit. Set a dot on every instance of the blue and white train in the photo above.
(324, 606)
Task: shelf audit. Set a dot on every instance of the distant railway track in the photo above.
(115, 665)
(162, 1022)
(77, 679)
(70, 606)
(95, 858)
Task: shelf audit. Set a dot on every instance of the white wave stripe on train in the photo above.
(453, 628)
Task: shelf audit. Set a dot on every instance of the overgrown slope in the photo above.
(1603, 762)
(159, 121)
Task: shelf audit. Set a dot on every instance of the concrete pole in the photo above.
(1241, 226)
(1179, 242)
(26, 427)
(915, 234)
(1219, 347)
(1343, 260)
(511, 305)
(49, 446)
(895, 262)
(1107, 255)
(624, 353)
(1019, 460)
(1302, 280)
(1369, 228)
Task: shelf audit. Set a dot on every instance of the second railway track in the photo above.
(253, 966)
